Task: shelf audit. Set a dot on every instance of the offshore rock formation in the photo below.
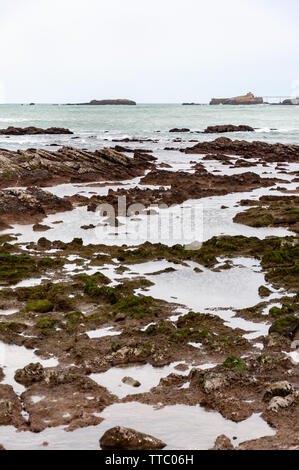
(238, 100)
(292, 102)
(30, 205)
(176, 130)
(68, 164)
(107, 102)
(34, 131)
(228, 128)
(256, 149)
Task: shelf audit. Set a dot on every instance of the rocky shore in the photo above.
(49, 318)
(90, 329)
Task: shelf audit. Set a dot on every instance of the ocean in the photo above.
(97, 125)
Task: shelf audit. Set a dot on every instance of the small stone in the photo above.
(120, 317)
(40, 228)
(88, 227)
(130, 381)
(182, 367)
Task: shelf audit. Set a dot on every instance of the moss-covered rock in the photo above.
(234, 363)
(39, 306)
(286, 325)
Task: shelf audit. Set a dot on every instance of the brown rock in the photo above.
(120, 317)
(30, 205)
(68, 164)
(257, 149)
(34, 131)
(40, 228)
(30, 374)
(238, 100)
(120, 438)
(10, 407)
(130, 381)
(227, 128)
(182, 130)
(223, 443)
(109, 102)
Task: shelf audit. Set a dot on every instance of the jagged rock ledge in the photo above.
(29, 206)
(68, 165)
(256, 149)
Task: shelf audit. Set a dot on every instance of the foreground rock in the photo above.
(68, 164)
(34, 131)
(238, 100)
(271, 211)
(29, 205)
(266, 152)
(130, 381)
(223, 443)
(10, 407)
(68, 398)
(227, 128)
(120, 438)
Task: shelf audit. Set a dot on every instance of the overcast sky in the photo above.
(160, 51)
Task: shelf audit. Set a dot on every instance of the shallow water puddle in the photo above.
(235, 288)
(180, 427)
(216, 221)
(102, 332)
(147, 375)
(9, 311)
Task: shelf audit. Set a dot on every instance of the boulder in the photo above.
(278, 389)
(278, 403)
(286, 325)
(30, 374)
(120, 438)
